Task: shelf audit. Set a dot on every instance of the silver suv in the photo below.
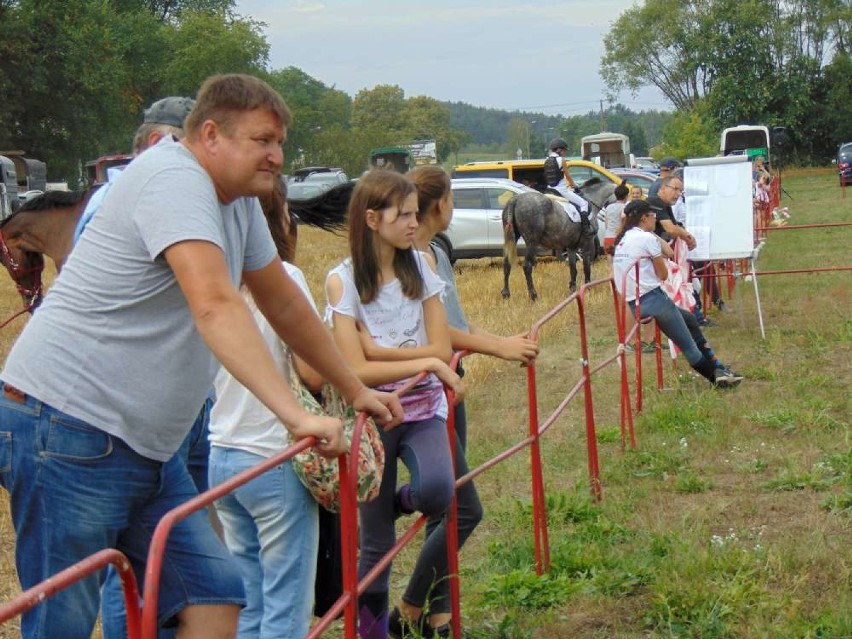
(476, 229)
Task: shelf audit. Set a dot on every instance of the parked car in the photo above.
(322, 174)
(637, 178)
(306, 190)
(645, 163)
(531, 172)
(476, 229)
(844, 163)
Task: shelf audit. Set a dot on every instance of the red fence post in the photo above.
(98, 561)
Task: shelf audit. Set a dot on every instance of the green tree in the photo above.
(380, 108)
(202, 44)
(689, 134)
(316, 108)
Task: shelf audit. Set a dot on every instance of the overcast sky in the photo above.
(540, 56)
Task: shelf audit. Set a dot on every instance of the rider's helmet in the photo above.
(557, 143)
(171, 111)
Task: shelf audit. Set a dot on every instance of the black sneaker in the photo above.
(726, 378)
(706, 322)
(401, 628)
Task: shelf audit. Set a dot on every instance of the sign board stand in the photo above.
(720, 212)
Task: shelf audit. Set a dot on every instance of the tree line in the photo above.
(75, 78)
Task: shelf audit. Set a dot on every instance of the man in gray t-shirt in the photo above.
(105, 380)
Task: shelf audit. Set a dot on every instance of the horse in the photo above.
(542, 221)
(44, 226)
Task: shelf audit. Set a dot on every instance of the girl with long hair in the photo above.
(435, 209)
(387, 317)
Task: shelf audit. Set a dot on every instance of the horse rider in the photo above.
(104, 381)
(558, 177)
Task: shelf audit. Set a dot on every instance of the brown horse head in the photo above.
(24, 267)
(44, 225)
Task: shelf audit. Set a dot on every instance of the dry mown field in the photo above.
(732, 519)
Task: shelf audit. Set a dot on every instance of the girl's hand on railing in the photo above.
(384, 408)
(519, 348)
(329, 433)
(449, 377)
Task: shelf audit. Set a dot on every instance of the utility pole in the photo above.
(602, 117)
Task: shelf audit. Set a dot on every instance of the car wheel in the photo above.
(444, 243)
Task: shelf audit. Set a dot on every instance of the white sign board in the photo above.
(719, 210)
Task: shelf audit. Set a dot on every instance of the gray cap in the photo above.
(171, 111)
(669, 162)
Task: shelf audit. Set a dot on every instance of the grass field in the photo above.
(732, 519)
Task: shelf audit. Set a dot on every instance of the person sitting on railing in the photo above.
(435, 204)
(637, 243)
(384, 306)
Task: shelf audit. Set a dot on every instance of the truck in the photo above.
(747, 139)
(397, 158)
(607, 149)
(96, 170)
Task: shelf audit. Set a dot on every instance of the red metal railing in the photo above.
(39, 593)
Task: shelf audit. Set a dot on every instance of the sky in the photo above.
(538, 56)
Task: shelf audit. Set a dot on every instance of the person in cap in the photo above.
(667, 166)
(637, 243)
(557, 175)
(146, 303)
(164, 117)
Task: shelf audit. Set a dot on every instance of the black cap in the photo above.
(171, 111)
(637, 207)
(669, 162)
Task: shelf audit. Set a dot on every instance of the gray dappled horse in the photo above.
(543, 223)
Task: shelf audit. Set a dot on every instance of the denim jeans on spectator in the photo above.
(676, 323)
(194, 452)
(271, 527)
(76, 490)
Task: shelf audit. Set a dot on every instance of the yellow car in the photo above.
(531, 172)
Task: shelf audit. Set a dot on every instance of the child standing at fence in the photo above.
(389, 322)
(269, 524)
(435, 209)
(636, 242)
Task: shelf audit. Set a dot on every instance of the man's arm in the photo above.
(226, 324)
(288, 311)
(678, 231)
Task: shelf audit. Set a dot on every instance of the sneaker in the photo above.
(725, 378)
(649, 348)
(401, 628)
(730, 372)
(706, 322)
(399, 508)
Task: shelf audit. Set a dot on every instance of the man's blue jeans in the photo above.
(271, 527)
(76, 490)
(194, 452)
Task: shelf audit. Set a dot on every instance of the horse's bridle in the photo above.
(32, 295)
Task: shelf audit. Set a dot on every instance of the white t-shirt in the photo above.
(612, 212)
(239, 419)
(396, 321)
(636, 245)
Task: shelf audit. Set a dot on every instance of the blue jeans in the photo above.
(676, 323)
(194, 452)
(76, 490)
(271, 528)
